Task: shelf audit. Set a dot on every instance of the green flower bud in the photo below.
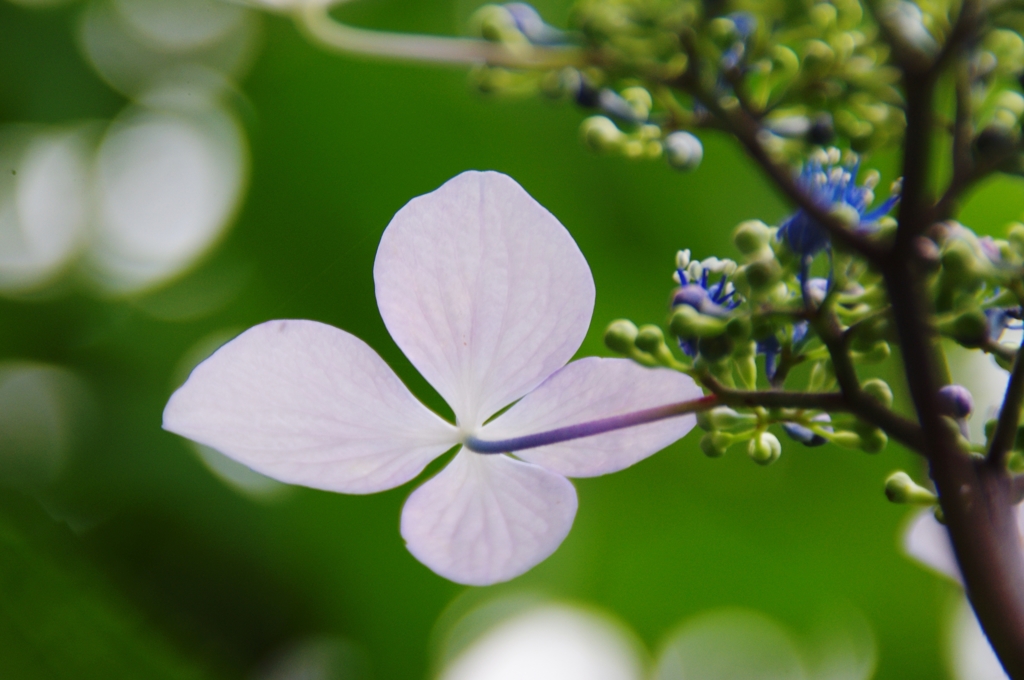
(600, 134)
(872, 440)
(714, 444)
(878, 353)
(738, 328)
(970, 329)
(683, 151)
(621, 336)
(649, 339)
(846, 214)
(822, 378)
(725, 418)
(639, 100)
(879, 390)
(846, 439)
(496, 23)
(900, 488)
(704, 421)
(764, 449)
(762, 274)
(751, 236)
(687, 322)
(716, 348)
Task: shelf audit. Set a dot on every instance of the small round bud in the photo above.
(649, 338)
(970, 329)
(714, 444)
(725, 418)
(879, 352)
(762, 274)
(715, 348)
(846, 214)
(955, 401)
(764, 449)
(621, 336)
(751, 236)
(738, 328)
(873, 440)
(683, 151)
(878, 390)
(600, 134)
(900, 488)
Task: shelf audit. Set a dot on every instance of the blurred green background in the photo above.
(136, 561)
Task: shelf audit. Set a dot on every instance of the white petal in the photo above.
(309, 404)
(592, 389)
(550, 642)
(927, 541)
(486, 519)
(484, 290)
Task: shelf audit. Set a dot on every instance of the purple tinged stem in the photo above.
(591, 428)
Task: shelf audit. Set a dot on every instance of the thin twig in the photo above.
(748, 131)
(315, 21)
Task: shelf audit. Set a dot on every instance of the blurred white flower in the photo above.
(489, 297)
(43, 412)
(167, 185)
(44, 204)
(133, 43)
(970, 655)
(550, 642)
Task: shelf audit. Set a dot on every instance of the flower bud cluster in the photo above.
(976, 282)
(746, 324)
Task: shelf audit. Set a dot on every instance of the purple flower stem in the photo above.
(593, 427)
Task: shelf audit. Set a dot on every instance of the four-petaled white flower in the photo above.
(489, 297)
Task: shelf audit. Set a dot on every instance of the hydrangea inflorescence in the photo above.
(502, 300)
(834, 187)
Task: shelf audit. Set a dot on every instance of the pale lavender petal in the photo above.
(591, 389)
(484, 290)
(486, 519)
(306, 403)
(927, 541)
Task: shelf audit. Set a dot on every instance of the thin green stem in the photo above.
(320, 27)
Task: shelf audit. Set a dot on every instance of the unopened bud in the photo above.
(725, 418)
(955, 401)
(764, 449)
(714, 444)
(878, 390)
(601, 134)
(846, 439)
(900, 488)
(872, 439)
(687, 322)
(683, 151)
(762, 274)
(751, 236)
(621, 336)
(649, 338)
(970, 329)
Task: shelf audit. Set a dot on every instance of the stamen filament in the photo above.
(314, 19)
(591, 428)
